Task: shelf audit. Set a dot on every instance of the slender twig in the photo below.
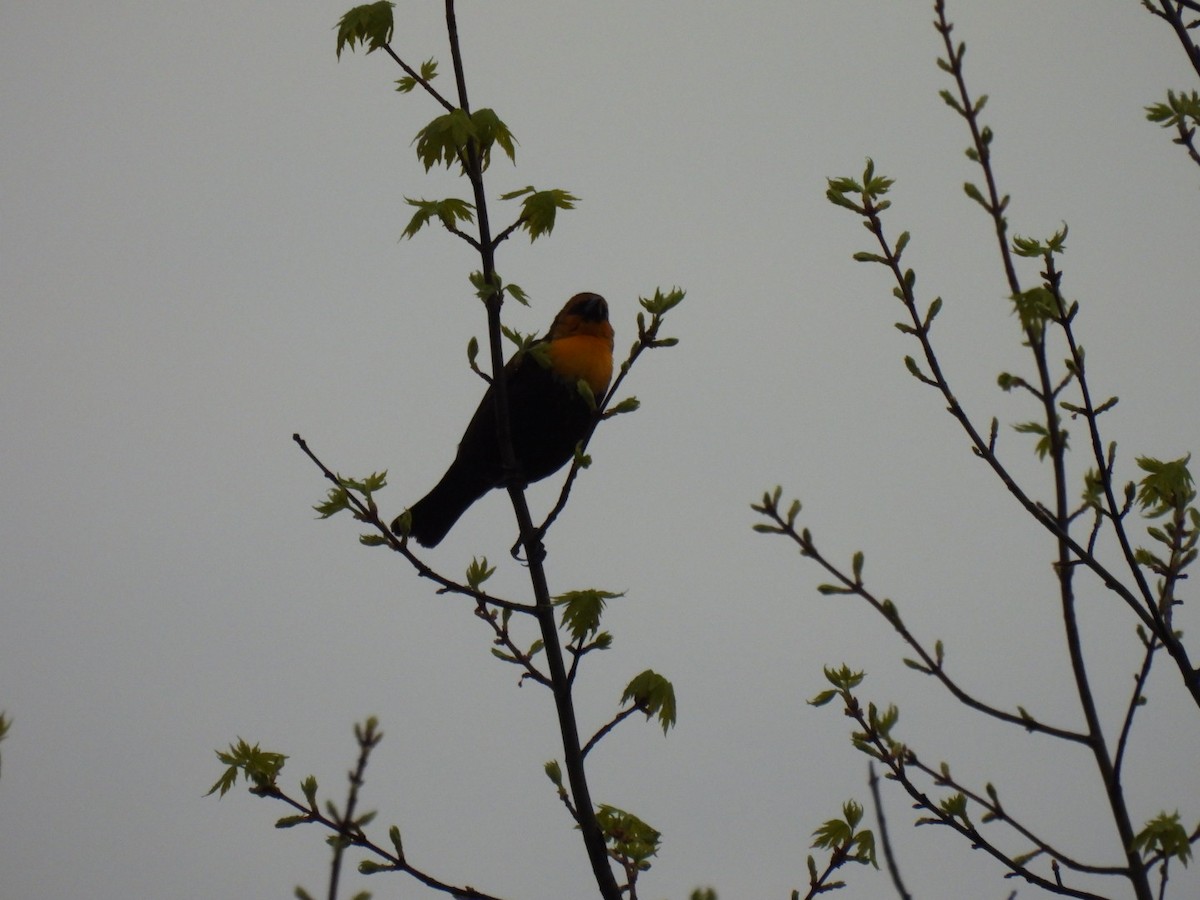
(504, 639)
(992, 806)
(646, 340)
(368, 740)
(504, 235)
(416, 76)
(1172, 11)
(1187, 139)
(932, 665)
(1053, 281)
(985, 448)
(895, 758)
(1135, 701)
(613, 723)
(818, 884)
(356, 838)
(885, 840)
(1036, 335)
(593, 838)
(368, 514)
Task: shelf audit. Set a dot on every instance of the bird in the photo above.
(548, 417)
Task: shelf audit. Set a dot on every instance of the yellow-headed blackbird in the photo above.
(547, 415)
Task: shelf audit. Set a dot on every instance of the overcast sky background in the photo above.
(200, 218)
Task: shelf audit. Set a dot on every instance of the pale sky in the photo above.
(200, 212)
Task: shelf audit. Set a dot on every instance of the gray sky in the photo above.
(200, 256)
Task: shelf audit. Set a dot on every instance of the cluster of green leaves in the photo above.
(367, 26)
(342, 497)
(1167, 492)
(457, 138)
(1164, 836)
(1181, 112)
(875, 739)
(452, 138)
(1180, 109)
(846, 843)
(259, 767)
(581, 612)
(631, 841)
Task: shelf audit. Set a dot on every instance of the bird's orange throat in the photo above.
(584, 355)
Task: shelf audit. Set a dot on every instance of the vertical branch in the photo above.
(889, 855)
(593, 837)
(1061, 514)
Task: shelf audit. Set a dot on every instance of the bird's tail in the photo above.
(435, 513)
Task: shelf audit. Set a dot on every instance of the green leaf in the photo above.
(517, 294)
(837, 196)
(1027, 247)
(934, 308)
(554, 772)
(335, 501)
(449, 212)
(628, 837)
(843, 678)
(1164, 834)
(1166, 487)
(839, 835)
(1178, 110)
(831, 834)
(260, 767)
(831, 590)
(655, 695)
(402, 524)
(478, 572)
(309, 787)
(955, 806)
(952, 102)
(369, 26)
(581, 611)
(445, 139)
(428, 72)
(489, 130)
(453, 136)
(584, 389)
(973, 192)
(539, 208)
(915, 371)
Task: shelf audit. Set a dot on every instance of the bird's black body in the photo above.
(548, 417)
